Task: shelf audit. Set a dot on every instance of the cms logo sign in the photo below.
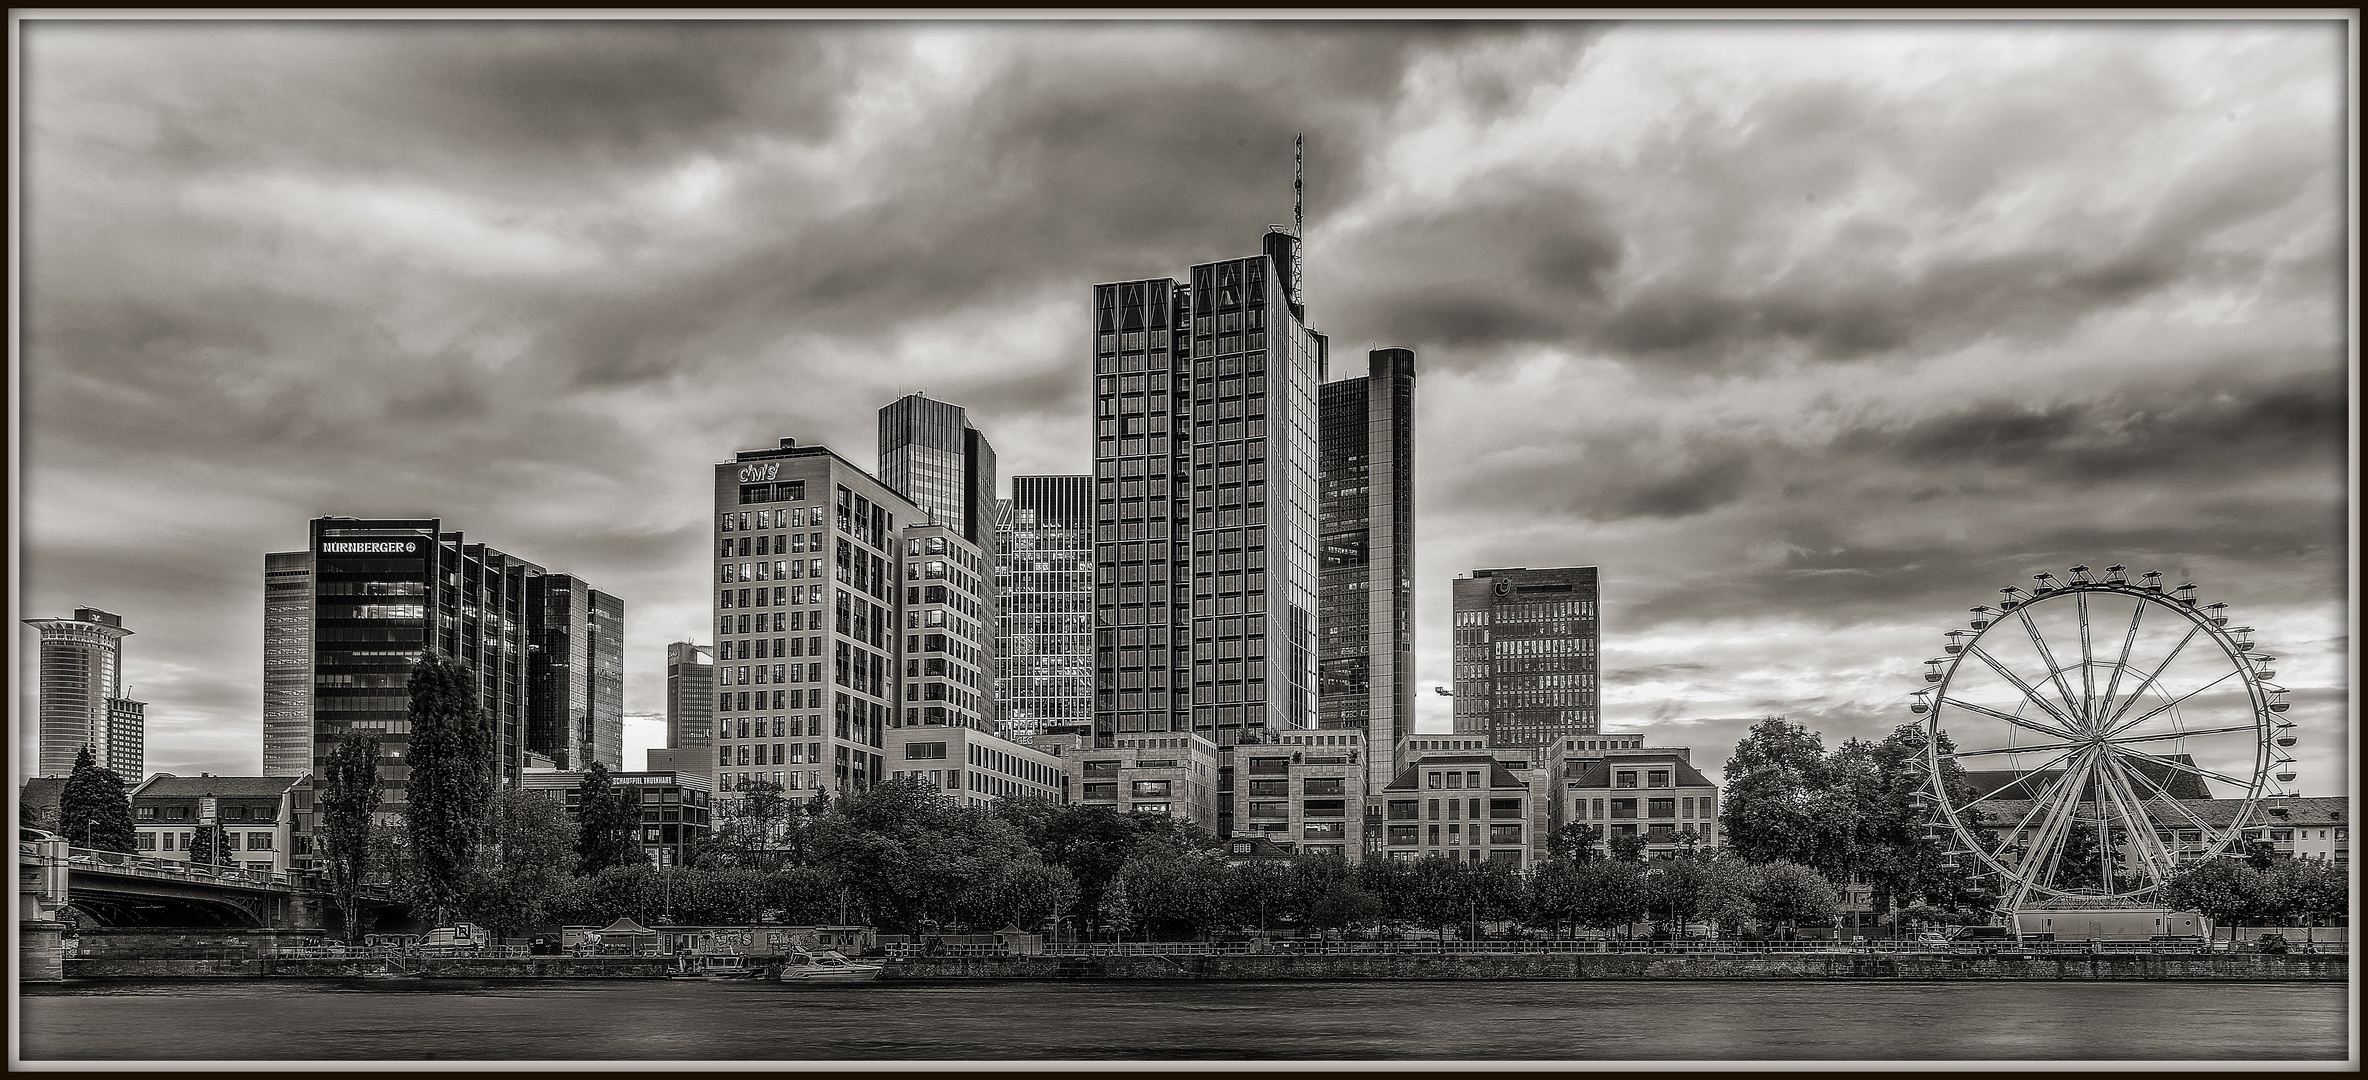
(751, 474)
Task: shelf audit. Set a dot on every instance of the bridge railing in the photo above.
(1885, 947)
(178, 870)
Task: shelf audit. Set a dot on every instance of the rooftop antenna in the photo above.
(1298, 215)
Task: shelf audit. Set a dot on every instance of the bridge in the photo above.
(117, 889)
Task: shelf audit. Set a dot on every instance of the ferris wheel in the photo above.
(2067, 725)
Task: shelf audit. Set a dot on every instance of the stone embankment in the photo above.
(368, 967)
(1568, 966)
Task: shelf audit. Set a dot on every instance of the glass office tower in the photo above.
(287, 663)
(929, 452)
(1205, 502)
(690, 689)
(384, 591)
(1044, 588)
(1525, 654)
(576, 714)
(1365, 625)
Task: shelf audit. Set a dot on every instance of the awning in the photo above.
(627, 926)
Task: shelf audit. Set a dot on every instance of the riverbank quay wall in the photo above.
(1567, 966)
(358, 967)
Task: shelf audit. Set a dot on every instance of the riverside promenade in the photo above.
(1937, 967)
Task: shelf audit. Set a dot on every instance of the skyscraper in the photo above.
(576, 713)
(82, 702)
(931, 454)
(1365, 625)
(383, 592)
(1205, 501)
(1525, 654)
(1044, 589)
(287, 663)
(690, 690)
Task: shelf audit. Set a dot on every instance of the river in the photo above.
(277, 1020)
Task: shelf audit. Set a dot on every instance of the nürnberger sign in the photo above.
(370, 547)
(752, 474)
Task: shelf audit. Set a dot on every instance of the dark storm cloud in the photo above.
(1696, 303)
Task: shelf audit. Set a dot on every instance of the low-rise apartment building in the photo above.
(1651, 792)
(1301, 789)
(1465, 806)
(677, 808)
(264, 822)
(974, 766)
(1173, 773)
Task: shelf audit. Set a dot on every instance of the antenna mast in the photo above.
(1298, 215)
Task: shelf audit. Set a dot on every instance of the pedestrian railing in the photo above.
(1598, 946)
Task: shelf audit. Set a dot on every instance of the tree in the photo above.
(1575, 841)
(1437, 895)
(1789, 894)
(608, 824)
(1600, 895)
(2226, 889)
(1259, 890)
(759, 831)
(451, 781)
(1673, 889)
(1770, 809)
(1725, 897)
(205, 844)
(804, 896)
(1628, 847)
(93, 810)
(1169, 894)
(347, 799)
(521, 877)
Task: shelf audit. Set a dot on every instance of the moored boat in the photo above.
(826, 966)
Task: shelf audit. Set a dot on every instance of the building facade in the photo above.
(945, 467)
(972, 766)
(82, 702)
(262, 822)
(383, 592)
(810, 637)
(1174, 774)
(576, 705)
(1365, 619)
(1525, 655)
(1302, 790)
(1652, 793)
(1044, 610)
(948, 631)
(1466, 806)
(287, 663)
(677, 808)
(690, 695)
(1205, 502)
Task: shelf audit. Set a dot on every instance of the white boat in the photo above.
(826, 966)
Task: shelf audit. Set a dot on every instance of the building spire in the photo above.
(1298, 217)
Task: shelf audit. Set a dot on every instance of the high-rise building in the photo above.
(383, 592)
(576, 712)
(82, 702)
(287, 663)
(1044, 590)
(863, 613)
(690, 695)
(1365, 624)
(1525, 655)
(931, 454)
(1205, 502)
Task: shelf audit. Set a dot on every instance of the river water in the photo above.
(456, 1020)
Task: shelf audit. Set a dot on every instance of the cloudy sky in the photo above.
(1810, 335)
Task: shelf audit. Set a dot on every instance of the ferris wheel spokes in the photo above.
(2132, 697)
(2154, 847)
(2124, 740)
(2186, 767)
(2173, 703)
(2162, 796)
(2070, 725)
(2128, 642)
(2048, 657)
(2018, 721)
